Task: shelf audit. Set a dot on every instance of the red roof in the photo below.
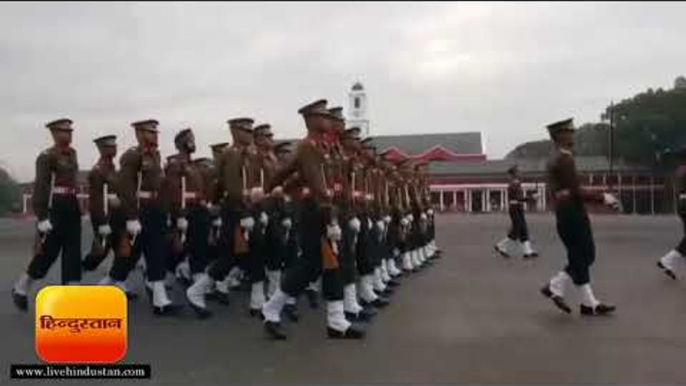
(436, 153)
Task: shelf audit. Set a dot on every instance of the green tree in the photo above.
(650, 124)
(10, 193)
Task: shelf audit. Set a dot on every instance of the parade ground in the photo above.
(472, 317)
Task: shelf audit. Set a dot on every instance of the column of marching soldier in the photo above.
(331, 212)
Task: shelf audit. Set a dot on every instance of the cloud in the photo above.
(501, 68)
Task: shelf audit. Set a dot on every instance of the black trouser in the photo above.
(347, 251)
(365, 247)
(226, 258)
(310, 266)
(255, 259)
(197, 237)
(117, 222)
(150, 242)
(274, 245)
(519, 231)
(65, 237)
(574, 228)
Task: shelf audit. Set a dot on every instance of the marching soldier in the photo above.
(345, 148)
(319, 229)
(410, 262)
(286, 222)
(270, 248)
(232, 279)
(262, 164)
(57, 211)
(185, 199)
(139, 183)
(519, 233)
(395, 228)
(107, 218)
(205, 166)
(669, 261)
(573, 224)
(235, 178)
(366, 247)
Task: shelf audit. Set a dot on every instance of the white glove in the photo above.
(287, 198)
(410, 217)
(256, 194)
(247, 223)
(404, 221)
(182, 224)
(423, 217)
(217, 223)
(610, 200)
(264, 219)
(133, 227)
(354, 224)
(104, 230)
(387, 219)
(277, 191)
(286, 223)
(380, 226)
(114, 202)
(44, 226)
(430, 212)
(333, 232)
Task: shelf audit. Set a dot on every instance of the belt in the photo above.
(111, 196)
(64, 190)
(516, 203)
(337, 187)
(357, 194)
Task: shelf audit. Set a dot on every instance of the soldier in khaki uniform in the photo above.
(318, 228)
(349, 142)
(58, 214)
(573, 224)
(270, 248)
(185, 199)
(106, 216)
(235, 179)
(139, 183)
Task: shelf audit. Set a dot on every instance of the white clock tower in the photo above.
(358, 108)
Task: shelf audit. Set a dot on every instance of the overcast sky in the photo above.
(503, 69)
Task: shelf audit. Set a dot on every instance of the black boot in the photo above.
(275, 330)
(599, 310)
(168, 310)
(666, 270)
(353, 332)
(256, 313)
(20, 301)
(501, 252)
(291, 311)
(557, 300)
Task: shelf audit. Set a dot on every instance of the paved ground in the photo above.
(472, 318)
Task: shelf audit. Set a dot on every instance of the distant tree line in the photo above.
(10, 193)
(648, 126)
